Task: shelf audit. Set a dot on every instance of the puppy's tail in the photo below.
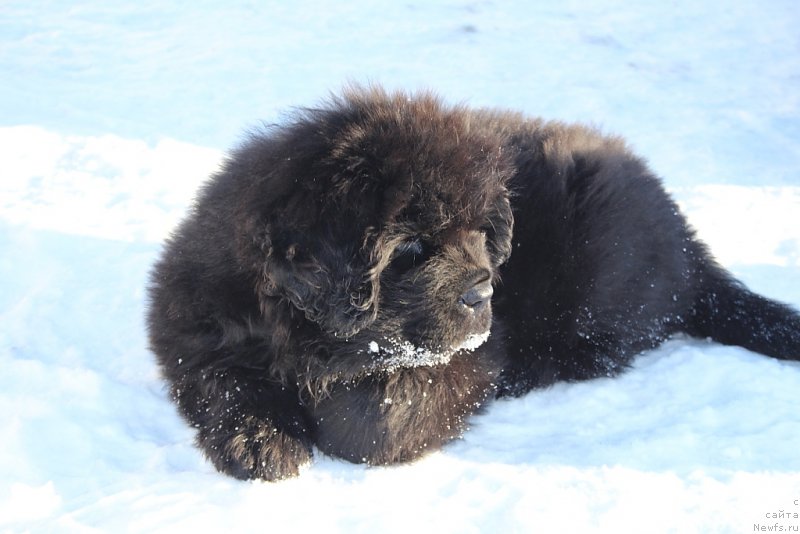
(729, 313)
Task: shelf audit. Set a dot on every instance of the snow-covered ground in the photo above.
(111, 115)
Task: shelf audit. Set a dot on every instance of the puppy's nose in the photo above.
(477, 296)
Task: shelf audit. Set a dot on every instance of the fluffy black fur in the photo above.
(333, 284)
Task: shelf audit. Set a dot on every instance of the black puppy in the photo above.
(364, 277)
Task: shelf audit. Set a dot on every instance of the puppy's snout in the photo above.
(477, 296)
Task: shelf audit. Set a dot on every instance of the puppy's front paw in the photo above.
(255, 449)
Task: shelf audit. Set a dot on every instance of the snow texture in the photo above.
(396, 354)
(112, 114)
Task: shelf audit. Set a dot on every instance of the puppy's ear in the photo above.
(499, 230)
(324, 276)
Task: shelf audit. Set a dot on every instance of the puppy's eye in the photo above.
(409, 254)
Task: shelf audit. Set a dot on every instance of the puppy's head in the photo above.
(383, 219)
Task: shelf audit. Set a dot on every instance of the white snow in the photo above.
(396, 353)
(474, 341)
(111, 115)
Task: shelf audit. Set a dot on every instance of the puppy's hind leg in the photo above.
(729, 313)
